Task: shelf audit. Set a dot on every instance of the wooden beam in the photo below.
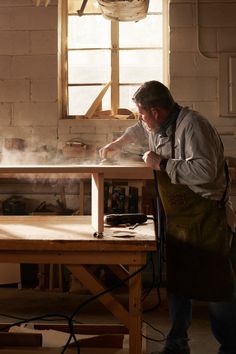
(98, 202)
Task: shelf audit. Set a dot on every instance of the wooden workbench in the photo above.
(97, 172)
(70, 240)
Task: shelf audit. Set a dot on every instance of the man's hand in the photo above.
(109, 149)
(152, 160)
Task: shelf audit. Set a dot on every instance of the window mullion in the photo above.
(114, 66)
(63, 89)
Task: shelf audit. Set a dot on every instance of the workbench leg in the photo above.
(98, 202)
(135, 312)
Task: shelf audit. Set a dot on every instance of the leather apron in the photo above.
(198, 265)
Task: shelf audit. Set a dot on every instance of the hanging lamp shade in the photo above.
(124, 10)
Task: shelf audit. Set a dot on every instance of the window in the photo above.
(116, 55)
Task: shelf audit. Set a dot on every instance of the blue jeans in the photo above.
(222, 318)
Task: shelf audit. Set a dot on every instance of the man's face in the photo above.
(150, 117)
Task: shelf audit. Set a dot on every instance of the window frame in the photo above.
(115, 84)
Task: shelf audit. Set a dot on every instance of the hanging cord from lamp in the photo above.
(80, 12)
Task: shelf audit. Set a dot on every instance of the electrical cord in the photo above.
(76, 311)
(154, 285)
(160, 246)
(157, 330)
(159, 220)
(92, 298)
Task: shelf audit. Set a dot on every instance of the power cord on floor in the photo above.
(153, 286)
(157, 330)
(156, 286)
(69, 319)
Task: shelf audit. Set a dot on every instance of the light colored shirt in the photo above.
(199, 155)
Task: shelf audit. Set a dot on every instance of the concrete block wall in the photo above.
(199, 31)
(30, 81)
(28, 72)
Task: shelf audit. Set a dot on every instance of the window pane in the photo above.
(82, 97)
(155, 5)
(144, 33)
(126, 94)
(81, 69)
(88, 32)
(140, 65)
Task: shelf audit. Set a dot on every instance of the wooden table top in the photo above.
(70, 233)
(134, 170)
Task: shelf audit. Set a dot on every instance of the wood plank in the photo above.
(134, 171)
(56, 257)
(135, 312)
(119, 270)
(71, 350)
(20, 339)
(103, 341)
(81, 197)
(115, 68)
(82, 328)
(97, 101)
(98, 202)
(70, 233)
(91, 283)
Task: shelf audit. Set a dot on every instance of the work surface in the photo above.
(131, 170)
(69, 240)
(70, 233)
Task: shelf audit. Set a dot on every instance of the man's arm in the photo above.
(114, 146)
(133, 134)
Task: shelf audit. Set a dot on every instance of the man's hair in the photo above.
(153, 94)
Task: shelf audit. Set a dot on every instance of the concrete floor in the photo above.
(28, 303)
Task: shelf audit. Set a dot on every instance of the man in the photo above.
(193, 186)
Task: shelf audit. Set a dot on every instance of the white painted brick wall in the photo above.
(35, 114)
(29, 80)
(181, 15)
(226, 39)
(95, 132)
(14, 42)
(43, 42)
(217, 14)
(194, 60)
(210, 109)
(42, 136)
(5, 114)
(5, 66)
(34, 66)
(14, 90)
(44, 90)
(33, 17)
(194, 65)
(28, 72)
(194, 89)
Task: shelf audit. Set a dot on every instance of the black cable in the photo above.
(154, 328)
(117, 285)
(154, 285)
(103, 292)
(72, 335)
(160, 230)
(70, 318)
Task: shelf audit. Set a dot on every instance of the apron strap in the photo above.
(173, 140)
